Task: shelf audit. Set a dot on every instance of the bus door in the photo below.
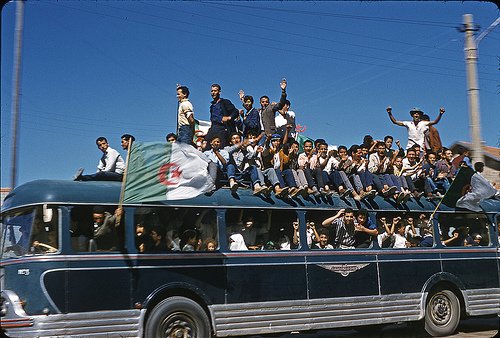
(264, 261)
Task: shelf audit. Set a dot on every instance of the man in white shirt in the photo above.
(283, 119)
(111, 165)
(185, 116)
(416, 127)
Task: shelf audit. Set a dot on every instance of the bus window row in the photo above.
(168, 229)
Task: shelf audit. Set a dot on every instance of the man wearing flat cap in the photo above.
(417, 127)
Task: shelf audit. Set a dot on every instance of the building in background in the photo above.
(491, 161)
(3, 193)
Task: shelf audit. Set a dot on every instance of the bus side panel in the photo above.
(404, 271)
(342, 274)
(476, 268)
(37, 288)
(202, 274)
(264, 277)
(98, 285)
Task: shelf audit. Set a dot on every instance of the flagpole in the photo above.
(442, 198)
(124, 181)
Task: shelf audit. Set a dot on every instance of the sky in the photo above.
(105, 68)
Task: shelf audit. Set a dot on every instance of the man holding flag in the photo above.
(469, 188)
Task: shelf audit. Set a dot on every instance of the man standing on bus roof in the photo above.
(417, 127)
(222, 115)
(185, 116)
(268, 110)
(111, 165)
(344, 230)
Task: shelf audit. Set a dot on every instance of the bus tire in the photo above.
(177, 317)
(442, 313)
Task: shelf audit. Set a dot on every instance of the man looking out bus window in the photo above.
(105, 224)
(344, 230)
(323, 240)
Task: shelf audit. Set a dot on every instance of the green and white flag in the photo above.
(159, 171)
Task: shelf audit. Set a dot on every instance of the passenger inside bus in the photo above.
(264, 229)
(464, 229)
(175, 229)
(189, 241)
(96, 229)
(210, 245)
(158, 240)
(237, 243)
(44, 237)
(323, 240)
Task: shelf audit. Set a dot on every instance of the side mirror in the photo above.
(47, 214)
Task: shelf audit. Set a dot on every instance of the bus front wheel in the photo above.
(178, 317)
(442, 313)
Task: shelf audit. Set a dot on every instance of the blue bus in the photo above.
(74, 264)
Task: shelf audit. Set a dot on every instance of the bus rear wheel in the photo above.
(442, 313)
(178, 317)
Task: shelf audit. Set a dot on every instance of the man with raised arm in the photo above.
(268, 110)
(344, 228)
(417, 127)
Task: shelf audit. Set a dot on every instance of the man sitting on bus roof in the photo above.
(111, 165)
(240, 167)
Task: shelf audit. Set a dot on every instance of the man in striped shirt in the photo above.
(343, 228)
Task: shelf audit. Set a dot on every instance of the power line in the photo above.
(275, 30)
(346, 16)
(332, 30)
(271, 47)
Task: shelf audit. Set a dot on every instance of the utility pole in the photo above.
(470, 50)
(16, 84)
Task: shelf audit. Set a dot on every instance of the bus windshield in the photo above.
(24, 232)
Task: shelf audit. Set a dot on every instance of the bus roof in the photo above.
(108, 192)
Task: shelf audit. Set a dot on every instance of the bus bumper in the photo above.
(14, 322)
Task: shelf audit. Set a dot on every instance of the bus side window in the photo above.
(161, 230)
(404, 230)
(464, 229)
(269, 230)
(97, 229)
(44, 236)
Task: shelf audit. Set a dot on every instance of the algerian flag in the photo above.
(200, 128)
(165, 171)
(458, 187)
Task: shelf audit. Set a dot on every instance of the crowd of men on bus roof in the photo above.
(259, 146)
